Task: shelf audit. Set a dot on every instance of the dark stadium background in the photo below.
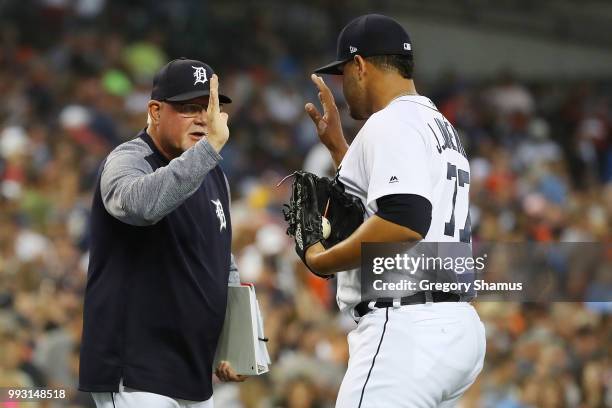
(526, 83)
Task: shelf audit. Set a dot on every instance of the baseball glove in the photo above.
(313, 197)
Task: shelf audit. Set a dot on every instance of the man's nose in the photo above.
(200, 118)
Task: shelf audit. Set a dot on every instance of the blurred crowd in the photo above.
(75, 77)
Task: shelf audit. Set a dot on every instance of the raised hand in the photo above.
(218, 132)
(328, 125)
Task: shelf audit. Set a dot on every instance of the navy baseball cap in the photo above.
(183, 79)
(369, 35)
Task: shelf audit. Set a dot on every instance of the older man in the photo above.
(160, 252)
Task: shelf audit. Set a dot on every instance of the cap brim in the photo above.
(333, 68)
(196, 94)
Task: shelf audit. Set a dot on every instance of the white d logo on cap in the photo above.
(199, 74)
(407, 46)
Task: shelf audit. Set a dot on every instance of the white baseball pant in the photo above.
(131, 398)
(414, 356)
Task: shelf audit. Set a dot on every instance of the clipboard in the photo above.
(242, 342)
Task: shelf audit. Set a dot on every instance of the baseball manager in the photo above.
(160, 257)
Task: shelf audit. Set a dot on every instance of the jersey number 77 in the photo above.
(460, 178)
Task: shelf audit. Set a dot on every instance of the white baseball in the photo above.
(326, 227)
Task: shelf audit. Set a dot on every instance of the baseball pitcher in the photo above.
(410, 172)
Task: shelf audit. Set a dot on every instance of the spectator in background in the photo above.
(54, 58)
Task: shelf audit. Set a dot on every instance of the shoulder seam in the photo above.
(135, 146)
(422, 104)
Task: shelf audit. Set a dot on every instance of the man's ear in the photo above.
(154, 110)
(360, 63)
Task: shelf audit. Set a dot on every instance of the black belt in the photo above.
(418, 298)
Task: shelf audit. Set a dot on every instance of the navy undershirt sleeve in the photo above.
(408, 210)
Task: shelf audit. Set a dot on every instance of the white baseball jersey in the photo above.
(422, 355)
(408, 147)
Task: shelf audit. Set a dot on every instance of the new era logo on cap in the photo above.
(369, 35)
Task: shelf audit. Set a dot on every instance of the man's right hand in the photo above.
(218, 132)
(328, 125)
(226, 373)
